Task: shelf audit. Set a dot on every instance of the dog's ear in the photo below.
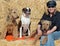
(50, 23)
(42, 21)
(46, 20)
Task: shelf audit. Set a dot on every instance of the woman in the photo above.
(54, 16)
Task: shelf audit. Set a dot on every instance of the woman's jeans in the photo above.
(51, 37)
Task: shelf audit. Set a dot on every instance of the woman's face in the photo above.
(52, 9)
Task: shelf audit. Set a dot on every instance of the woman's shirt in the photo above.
(55, 19)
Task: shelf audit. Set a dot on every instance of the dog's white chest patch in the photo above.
(25, 20)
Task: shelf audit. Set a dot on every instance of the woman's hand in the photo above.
(49, 32)
(52, 30)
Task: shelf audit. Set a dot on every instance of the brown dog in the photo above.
(45, 27)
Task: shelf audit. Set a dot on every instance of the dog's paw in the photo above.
(44, 40)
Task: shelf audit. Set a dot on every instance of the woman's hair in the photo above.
(46, 10)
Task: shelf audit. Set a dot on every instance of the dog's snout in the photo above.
(44, 29)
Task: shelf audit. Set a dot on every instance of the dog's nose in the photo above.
(44, 29)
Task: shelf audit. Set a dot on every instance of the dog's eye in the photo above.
(47, 24)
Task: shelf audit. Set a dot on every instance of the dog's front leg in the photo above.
(44, 40)
(36, 38)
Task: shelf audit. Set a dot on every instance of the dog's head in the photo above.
(13, 12)
(45, 24)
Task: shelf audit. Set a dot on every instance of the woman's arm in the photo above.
(52, 30)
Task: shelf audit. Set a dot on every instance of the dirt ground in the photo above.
(23, 43)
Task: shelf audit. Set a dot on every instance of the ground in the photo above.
(23, 43)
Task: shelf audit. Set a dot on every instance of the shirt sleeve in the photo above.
(57, 23)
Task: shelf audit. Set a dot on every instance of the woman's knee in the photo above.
(50, 36)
